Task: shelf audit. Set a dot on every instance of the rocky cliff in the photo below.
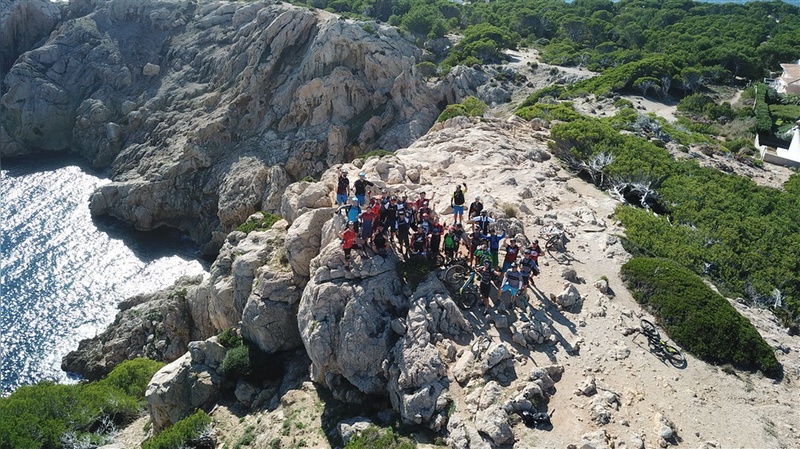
(203, 112)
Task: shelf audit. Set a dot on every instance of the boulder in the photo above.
(304, 237)
(188, 383)
(493, 422)
(219, 302)
(157, 326)
(345, 322)
(269, 318)
(352, 427)
(568, 298)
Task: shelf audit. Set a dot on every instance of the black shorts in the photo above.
(485, 289)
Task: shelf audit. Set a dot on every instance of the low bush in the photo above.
(414, 270)
(470, 107)
(696, 317)
(229, 338)
(236, 363)
(376, 437)
(181, 433)
(377, 153)
(39, 416)
(262, 224)
(549, 111)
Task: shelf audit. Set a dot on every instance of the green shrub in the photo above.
(37, 416)
(375, 437)
(132, 376)
(236, 363)
(470, 107)
(696, 317)
(181, 433)
(262, 224)
(623, 103)
(229, 338)
(309, 179)
(549, 111)
(415, 270)
(553, 91)
(763, 118)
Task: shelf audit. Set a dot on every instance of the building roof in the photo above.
(791, 72)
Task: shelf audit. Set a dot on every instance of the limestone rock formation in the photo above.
(156, 326)
(198, 137)
(188, 383)
(22, 25)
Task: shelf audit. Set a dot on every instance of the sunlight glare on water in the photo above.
(61, 277)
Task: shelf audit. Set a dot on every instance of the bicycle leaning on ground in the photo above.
(462, 279)
(660, 347)
(556, 242)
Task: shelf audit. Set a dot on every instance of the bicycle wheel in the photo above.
(552, 242)
(439, 260)
(649, 330)
(674, 355)
(456, 275)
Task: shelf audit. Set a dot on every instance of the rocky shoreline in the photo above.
(201, 137)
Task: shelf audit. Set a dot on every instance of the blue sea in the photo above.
(62, 274)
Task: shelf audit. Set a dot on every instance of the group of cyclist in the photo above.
(376, 221)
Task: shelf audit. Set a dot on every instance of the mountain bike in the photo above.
(661, 347)
(457, 273)
(467, 295)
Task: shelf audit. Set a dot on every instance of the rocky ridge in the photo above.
(204, 112)
(465, 374)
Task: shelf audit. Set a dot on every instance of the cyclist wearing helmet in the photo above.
(486, 275)
(449, 243)
(528, 268)
(482, 222)
(512, 251)
(352, 211)
(361, 188)
(475, 208)
(435, 241)
(536, 251)
(494, 246)
(512, 282)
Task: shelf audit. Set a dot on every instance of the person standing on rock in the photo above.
(389, 217)
(482, 222)
(512, 282)
(529, 268)
(485, 277)
(353, 212)
(457, 201)
(348, 237)
(435, 241)
(368, 218)
(360, 186)
(449, 244)
(494, 246)
(475, 208)
(512, 251)
(342, 188)
(405, 221)
(536, 251)
(379, 243)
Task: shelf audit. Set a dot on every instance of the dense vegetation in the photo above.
(183, 432)
(470, 107)
(743, 236)
(265, 222)
(696, 317)
(376, 437)
(48, 415)
(696, 42)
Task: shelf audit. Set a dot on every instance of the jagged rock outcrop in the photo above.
(22, 25)
(157, 326)
(190, 382)
(198, 137)
(251, 283)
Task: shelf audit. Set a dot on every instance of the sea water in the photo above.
(62, 273)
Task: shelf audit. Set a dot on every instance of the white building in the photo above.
(789, 82)
(783, 156)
